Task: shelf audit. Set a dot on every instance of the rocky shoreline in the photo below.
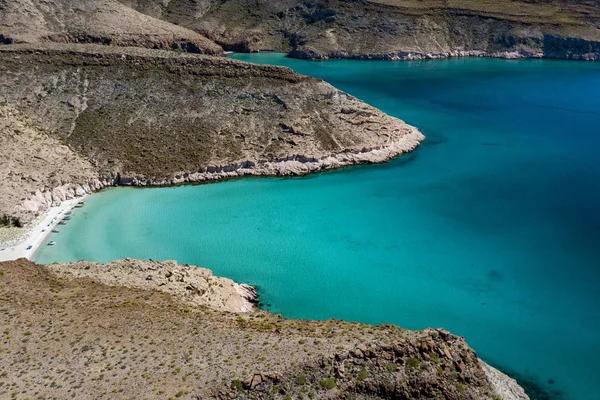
(82, 118)
(514, 54)
(295, 165)
(192, 285)
(392, 29)
(291, 166)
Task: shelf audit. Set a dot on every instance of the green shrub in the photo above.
(363, 375)
(328, 383)
(301, 380)
(237, 384)
(461, 388)
(413, 362)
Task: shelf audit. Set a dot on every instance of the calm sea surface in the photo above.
(491, 229)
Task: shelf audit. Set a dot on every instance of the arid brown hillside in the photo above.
(391, 29)
(76, 338)
(151, 117)
(100, 21)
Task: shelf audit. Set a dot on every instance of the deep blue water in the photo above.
(490, 229)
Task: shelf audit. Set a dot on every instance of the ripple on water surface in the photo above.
(489, 229)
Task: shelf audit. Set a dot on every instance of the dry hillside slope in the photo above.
(393, 29)
(99, 21)
(69, 337)
(150, 117)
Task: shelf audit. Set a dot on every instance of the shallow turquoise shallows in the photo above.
(491, 229)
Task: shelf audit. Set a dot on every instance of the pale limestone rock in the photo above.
(504, 386)
(193, 285)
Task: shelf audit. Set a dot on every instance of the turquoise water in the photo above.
(490, 229)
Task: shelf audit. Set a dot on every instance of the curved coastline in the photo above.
(37, 231)
(62, 199)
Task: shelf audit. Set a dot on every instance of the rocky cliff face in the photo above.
(105, 22)
(110, 331)
(380, 29)
(192, 285)
(37, 170)
(149, 117)
(394, 29)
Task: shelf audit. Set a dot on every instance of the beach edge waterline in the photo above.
(37, 232)
(291, 166)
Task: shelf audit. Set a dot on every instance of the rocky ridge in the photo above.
(393, 29)
(105, 22)
(93, 330)
(150, 117)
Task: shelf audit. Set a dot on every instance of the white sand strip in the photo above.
(38, 232)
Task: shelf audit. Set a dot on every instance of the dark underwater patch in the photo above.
(533, 387)
(494, 275)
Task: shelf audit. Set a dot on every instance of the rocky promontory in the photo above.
(105, 115)
(132, 329)
(192, 285)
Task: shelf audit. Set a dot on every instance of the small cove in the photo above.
(490, 229)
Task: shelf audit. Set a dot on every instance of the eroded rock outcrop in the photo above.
(504, 386)
(193, 285)
(37, 171)
(429, 364)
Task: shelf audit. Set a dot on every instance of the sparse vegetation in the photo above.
(328, 383)
(86, 337)
(363, 375)
(170, 118)
(412, 363)
(372, 29)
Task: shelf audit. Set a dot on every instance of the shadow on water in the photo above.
(495, 275)
(432, 139)
(404, 159)
(534, 389)
(570, 110)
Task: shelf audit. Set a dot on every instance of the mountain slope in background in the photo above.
(392, 29)
(98, 21)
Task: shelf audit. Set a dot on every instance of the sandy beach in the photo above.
(35, 234)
